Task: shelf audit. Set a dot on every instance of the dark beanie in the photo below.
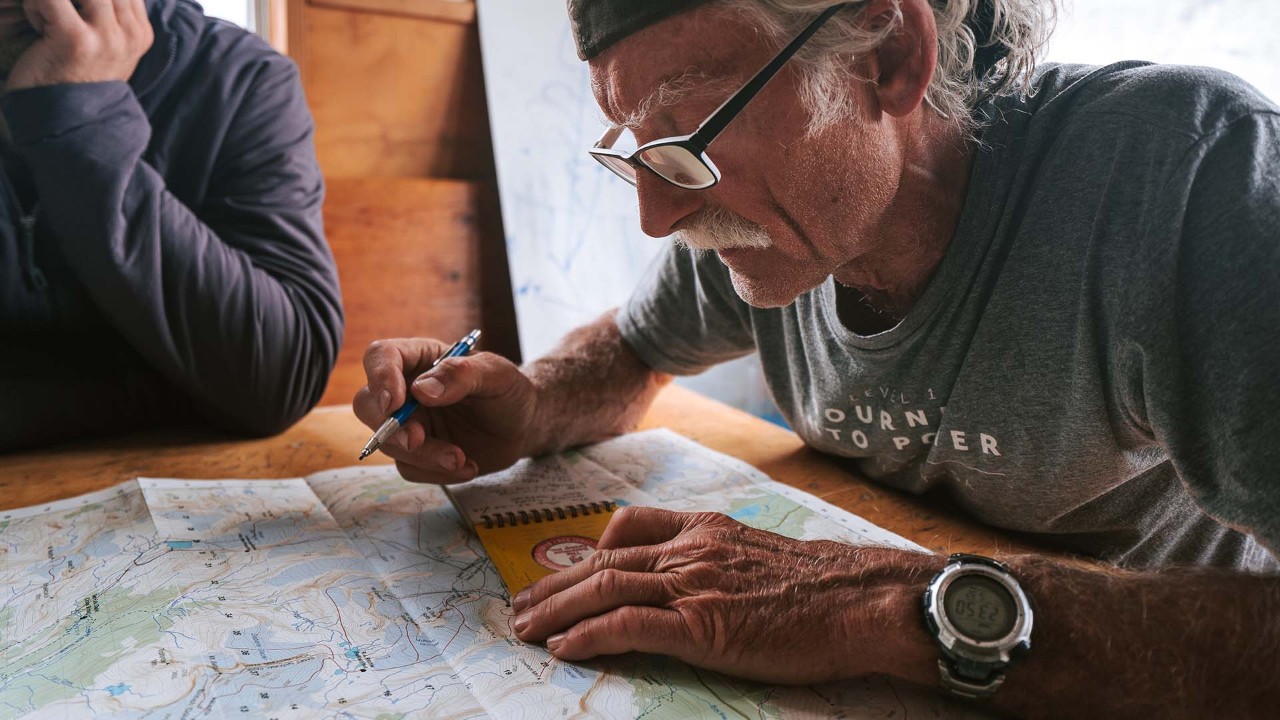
(598, 24)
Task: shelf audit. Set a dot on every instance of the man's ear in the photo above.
(904, 63)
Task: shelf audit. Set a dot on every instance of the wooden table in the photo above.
(330, 437)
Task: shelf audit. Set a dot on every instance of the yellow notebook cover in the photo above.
(531, 526)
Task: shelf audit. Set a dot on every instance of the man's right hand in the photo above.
(102, 41)
(476, 413)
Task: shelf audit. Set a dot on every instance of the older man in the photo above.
(1051, 294)
(161, 250)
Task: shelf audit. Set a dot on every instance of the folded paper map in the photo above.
(354, 594)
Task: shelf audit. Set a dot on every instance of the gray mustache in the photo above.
(718, 229)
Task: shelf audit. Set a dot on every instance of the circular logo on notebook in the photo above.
(558, 553)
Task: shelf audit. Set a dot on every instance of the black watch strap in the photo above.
(971, 680)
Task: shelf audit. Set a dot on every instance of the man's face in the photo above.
(790, 208)
(16, 34)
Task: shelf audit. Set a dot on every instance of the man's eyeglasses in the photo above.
(682, 160)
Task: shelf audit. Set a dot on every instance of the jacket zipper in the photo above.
(35, 276)
(26, 239)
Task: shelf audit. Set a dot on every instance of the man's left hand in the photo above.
(720, 595)
(102, 41)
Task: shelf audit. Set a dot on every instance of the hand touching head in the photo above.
(16, 34)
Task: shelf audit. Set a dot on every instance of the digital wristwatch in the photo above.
(981, 620)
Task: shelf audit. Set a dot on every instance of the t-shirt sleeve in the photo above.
(685, 316)
(1210, 379)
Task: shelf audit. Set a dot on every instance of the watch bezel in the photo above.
(1000, 652)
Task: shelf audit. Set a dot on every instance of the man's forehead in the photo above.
(698, 51)
(621, 108)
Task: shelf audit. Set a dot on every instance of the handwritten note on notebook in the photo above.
(535, 523)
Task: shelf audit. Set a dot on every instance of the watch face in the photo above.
(980, 607)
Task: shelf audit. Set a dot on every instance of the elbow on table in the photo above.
(281, 396)
(265, 419)
(269, 413)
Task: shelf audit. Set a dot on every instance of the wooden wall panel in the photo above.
(394, 94)
(397, 92)
(408, 254)
(460, 11)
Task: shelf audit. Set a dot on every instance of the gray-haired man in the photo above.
(1058, 306)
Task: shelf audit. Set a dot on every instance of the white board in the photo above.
(1238, 36)
(573, 234)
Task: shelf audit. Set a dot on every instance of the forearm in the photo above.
(1118, 644)
(590, 387)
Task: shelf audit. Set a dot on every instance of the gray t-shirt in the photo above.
(1094, 360)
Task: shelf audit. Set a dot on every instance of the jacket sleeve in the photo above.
(236, 302)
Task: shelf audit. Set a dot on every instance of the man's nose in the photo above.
(663, 205)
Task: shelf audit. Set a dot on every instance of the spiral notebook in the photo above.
(539, 517)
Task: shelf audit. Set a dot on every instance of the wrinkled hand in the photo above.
(476, 413)
(102, 41)
(720, 595)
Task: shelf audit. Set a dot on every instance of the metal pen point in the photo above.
(393, 423)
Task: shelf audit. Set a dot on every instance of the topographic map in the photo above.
(354, 594)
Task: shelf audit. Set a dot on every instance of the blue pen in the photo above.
(393, 423)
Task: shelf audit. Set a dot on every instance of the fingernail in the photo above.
(448, 461)
(430, 387)
(522, 622)
(520, 601)
(554, 641)
(471, 470)
(384, 399)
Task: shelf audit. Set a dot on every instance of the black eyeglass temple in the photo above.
(712, 126)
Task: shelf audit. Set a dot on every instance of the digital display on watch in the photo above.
(980, 607)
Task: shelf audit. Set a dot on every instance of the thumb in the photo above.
(483, 375)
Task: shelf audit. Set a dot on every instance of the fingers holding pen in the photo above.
(427, 458)
(481, 376)
(388, 362)
(424, 459)
(474, 413)
(427, 476)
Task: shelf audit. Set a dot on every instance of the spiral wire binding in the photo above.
(528, 517)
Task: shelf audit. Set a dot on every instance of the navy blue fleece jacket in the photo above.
(162, 255)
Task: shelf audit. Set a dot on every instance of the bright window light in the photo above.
(240, 12)
(1238, 36)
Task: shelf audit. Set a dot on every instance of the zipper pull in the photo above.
(34, 274)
